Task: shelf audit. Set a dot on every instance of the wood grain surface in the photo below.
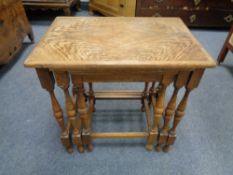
(86, 43)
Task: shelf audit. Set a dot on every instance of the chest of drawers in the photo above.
(113, 7)
(195, 13)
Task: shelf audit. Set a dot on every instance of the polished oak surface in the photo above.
(85, 43)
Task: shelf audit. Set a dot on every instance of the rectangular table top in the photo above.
(118, 42)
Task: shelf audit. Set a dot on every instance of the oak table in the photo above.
(157, 51)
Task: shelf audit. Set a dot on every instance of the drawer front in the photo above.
(215, 4)
(112, 7)
(193, 18)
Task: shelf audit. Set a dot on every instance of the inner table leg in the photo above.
(144, 96)
(157, 115)
(84, 112)
(92, 97)
(180, 111)
(152, 92)
(180, 81)
(63, 82)
(47, 82)
(158, 111)
(178, 116)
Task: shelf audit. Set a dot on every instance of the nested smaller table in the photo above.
(119, 49)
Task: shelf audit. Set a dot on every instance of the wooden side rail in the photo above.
(117, 95)
(117, 135)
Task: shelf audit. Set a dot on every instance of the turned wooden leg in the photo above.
(180, 81)
(67, 11)
(152, 92)
(222, 54)
(224, 50)
(180, 111)
(144, 96)
(63, 82)
(92, 97)
(74, 96)
(158, 111)
(178, 116)
(47, 82)
(84, 112)
(168, 113)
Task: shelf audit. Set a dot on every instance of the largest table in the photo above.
(124, 49)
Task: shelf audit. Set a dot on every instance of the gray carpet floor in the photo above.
(29, 136)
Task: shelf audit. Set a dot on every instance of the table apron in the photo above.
(124, 77)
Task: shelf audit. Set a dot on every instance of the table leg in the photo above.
(180, 81)
(225, 49)
(152, 92)
(92, 97)
(63, 82)
(180, 111)
(84, 112)
(144, 96)
(158, 111)
(47, 82)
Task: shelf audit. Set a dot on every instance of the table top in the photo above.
(118, 42)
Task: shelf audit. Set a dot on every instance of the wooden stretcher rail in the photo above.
(117, 135)
(117, 95)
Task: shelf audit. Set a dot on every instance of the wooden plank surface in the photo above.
(85, 43)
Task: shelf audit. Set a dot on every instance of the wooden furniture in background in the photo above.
(53, 4)
(158, 51)
(14, 26)
(113, 7)
(228, 45)
(195, 13)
